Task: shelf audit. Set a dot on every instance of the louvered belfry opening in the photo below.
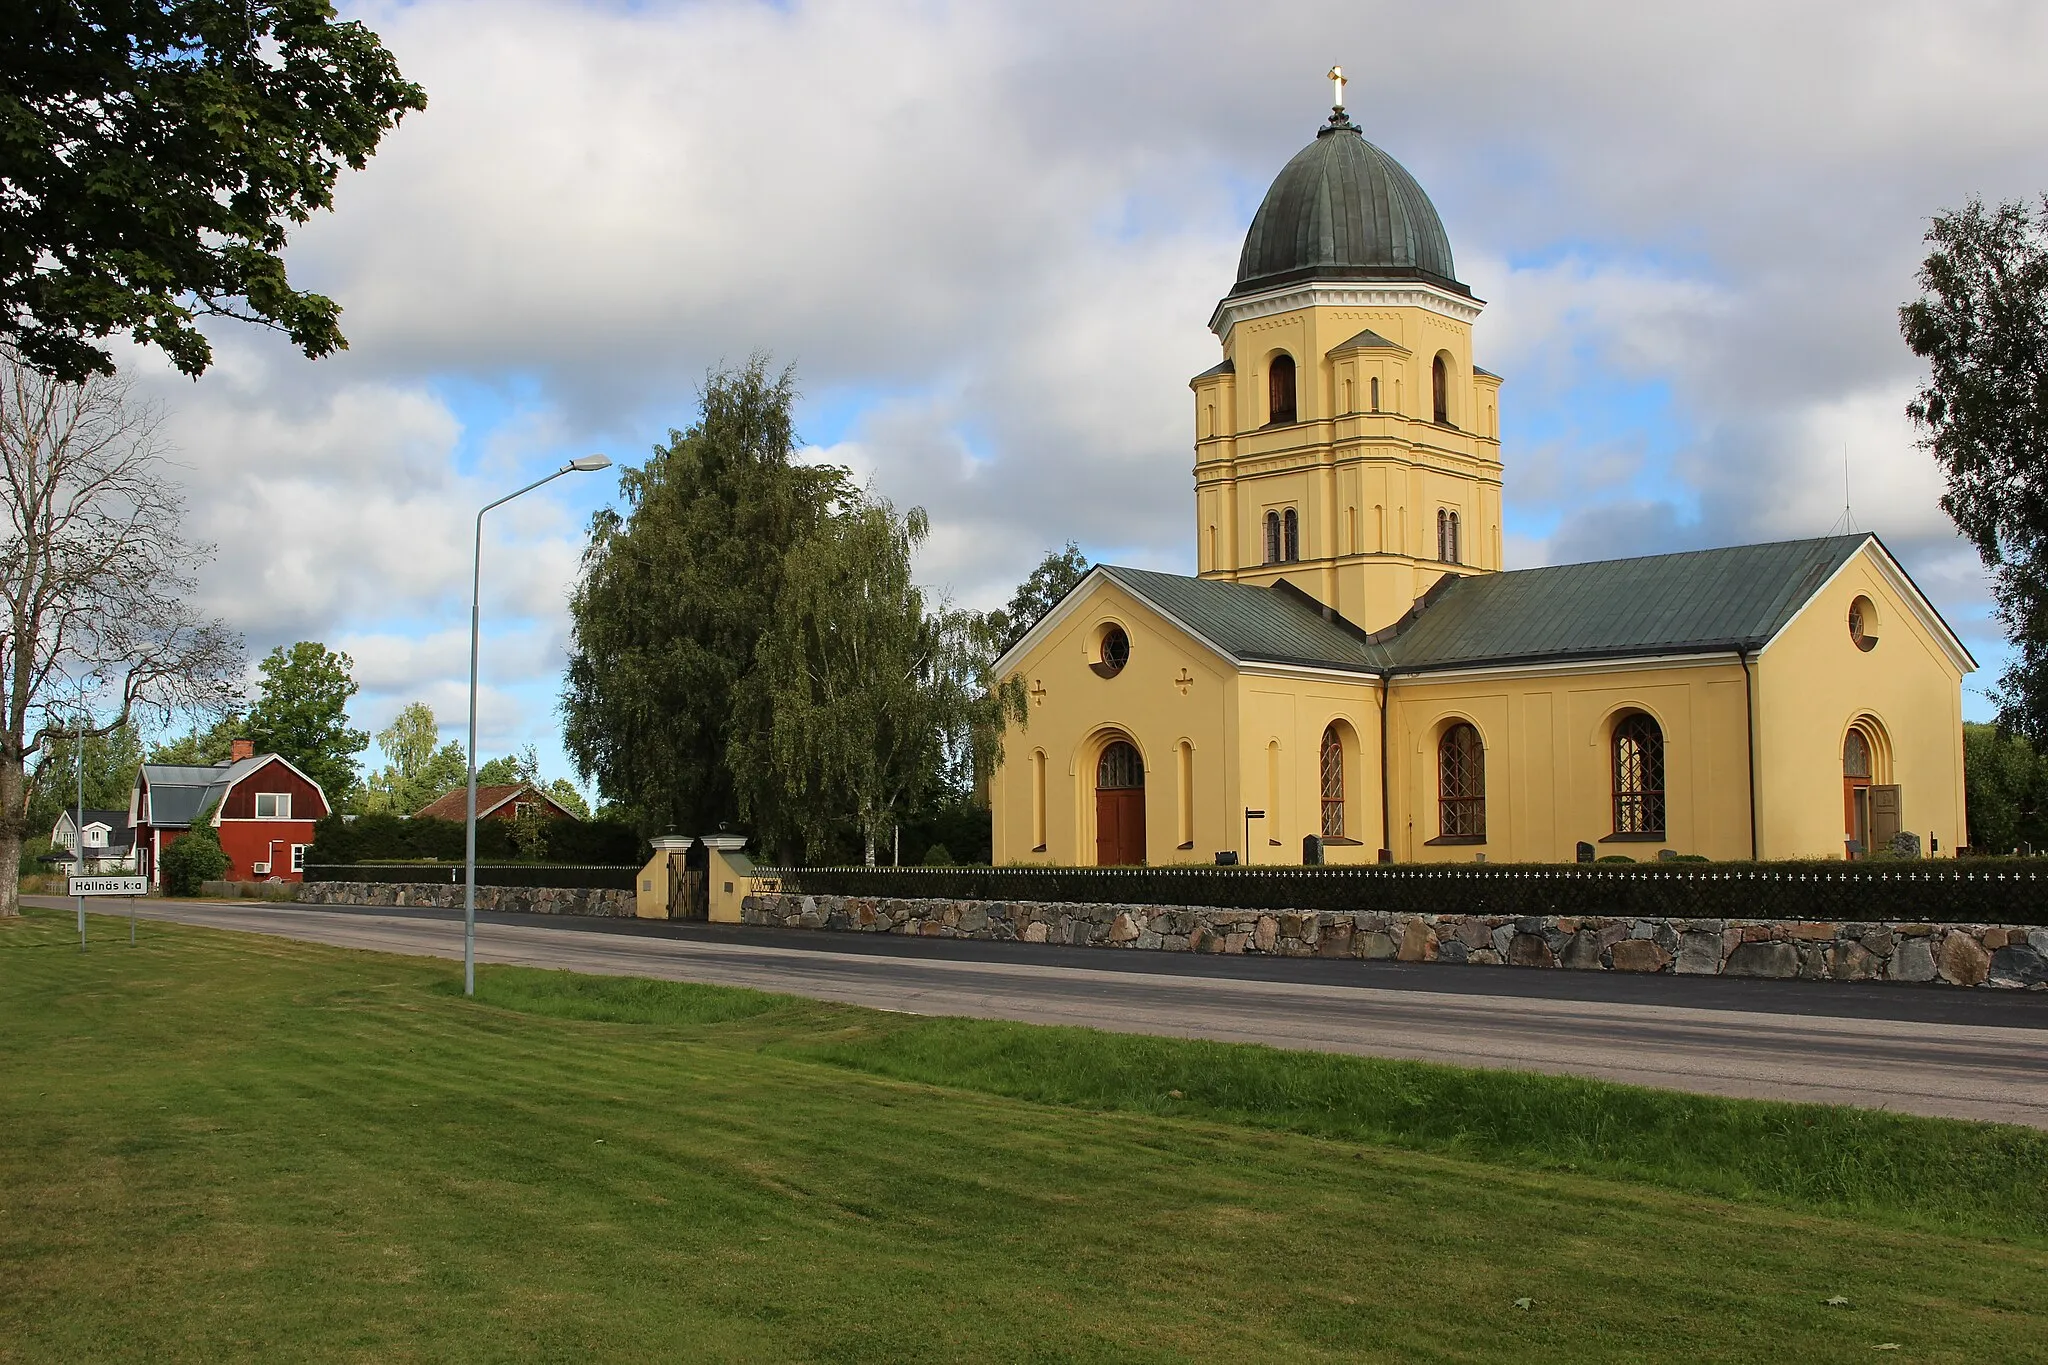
(1280, 390)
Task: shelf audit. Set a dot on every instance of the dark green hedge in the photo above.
(368, 838)
(487, 874)
(1998, 891)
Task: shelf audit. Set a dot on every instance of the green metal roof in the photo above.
(1368, 340)
(1696, 602)
(1701, 601)
(1342, 209)
(1249, 623)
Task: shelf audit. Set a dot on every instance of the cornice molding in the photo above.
(1364, 294)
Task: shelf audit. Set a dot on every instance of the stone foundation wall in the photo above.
(1959, 954)
(526, 900)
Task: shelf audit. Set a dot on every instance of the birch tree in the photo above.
(874, 699)
(97, 580)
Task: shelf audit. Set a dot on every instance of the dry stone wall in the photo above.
(1958, 954)
(525, 900)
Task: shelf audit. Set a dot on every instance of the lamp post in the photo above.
(582, 464)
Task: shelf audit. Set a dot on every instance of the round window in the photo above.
(1112, 651)
(1863, 624)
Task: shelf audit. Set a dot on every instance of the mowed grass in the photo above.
(218, 1146)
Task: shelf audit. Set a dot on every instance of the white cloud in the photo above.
(996, 231)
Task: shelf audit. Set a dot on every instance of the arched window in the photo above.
(1857, 767)
(1120, 769)
(1440, 391)
(1333, 783)
(1856, 755)
(1443, 536)
(1280, 389)
(1461, 784)
(1272, 537)
(1454, 557)
(1375, 393)
(1638, 776)
(1290, 536)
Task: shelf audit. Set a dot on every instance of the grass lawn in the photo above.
(219, 1146)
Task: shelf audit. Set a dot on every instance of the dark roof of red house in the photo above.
(454, 805)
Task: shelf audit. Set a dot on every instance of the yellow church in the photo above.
(1353, 667)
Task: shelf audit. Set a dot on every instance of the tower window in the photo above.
(1280, 390)
(1440, 391)
(1272, 537)
(1375, 393)
(1290, 532)
(1447, 536)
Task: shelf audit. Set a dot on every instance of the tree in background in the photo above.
(202, 748)
(110, 763)
(511, 770)
(565, 794)
(2005, 790)
(867, 702)
(418, 768)
(675, 596)
(155, 156)
(1982, 325)
(96, 581)
(195, 857)
(1058, 574)
(301, 714)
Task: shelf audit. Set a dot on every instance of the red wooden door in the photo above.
(1120, 827)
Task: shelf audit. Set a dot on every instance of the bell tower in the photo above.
(1346, 442)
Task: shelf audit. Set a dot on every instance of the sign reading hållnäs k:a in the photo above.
(108, 886)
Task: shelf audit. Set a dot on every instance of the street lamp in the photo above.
(582, 464)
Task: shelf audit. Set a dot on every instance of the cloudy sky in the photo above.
(989, 237)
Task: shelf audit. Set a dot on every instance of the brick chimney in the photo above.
(241, 749)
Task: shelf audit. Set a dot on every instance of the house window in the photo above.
(522, 809)
(1455, 557)
(1638, 776)
(273, 805)
(1440, 392)
(1280, 390)
(1863, 624)
(298, 857)
(95, 838)
(1290, 535)
(1375, 393)
(1272, 537)
(1333, 784)
(1461, 784)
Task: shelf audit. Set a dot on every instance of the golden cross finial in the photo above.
(1337, 84)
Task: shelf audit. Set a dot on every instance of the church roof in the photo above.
(1342, 209)
(1701, 601)
(1250, 624)
(1696, 602)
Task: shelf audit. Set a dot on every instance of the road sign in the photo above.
(108, 886)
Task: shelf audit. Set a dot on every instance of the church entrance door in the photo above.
(1119, 807)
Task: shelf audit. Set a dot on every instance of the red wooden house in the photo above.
(263, 808)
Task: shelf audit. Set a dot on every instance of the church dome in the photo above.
(1342, 209)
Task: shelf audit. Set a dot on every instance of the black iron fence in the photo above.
(1996, 891)
(487, 874)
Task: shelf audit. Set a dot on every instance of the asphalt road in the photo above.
(1918, 1049)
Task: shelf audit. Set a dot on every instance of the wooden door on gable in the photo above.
(1119, 807)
